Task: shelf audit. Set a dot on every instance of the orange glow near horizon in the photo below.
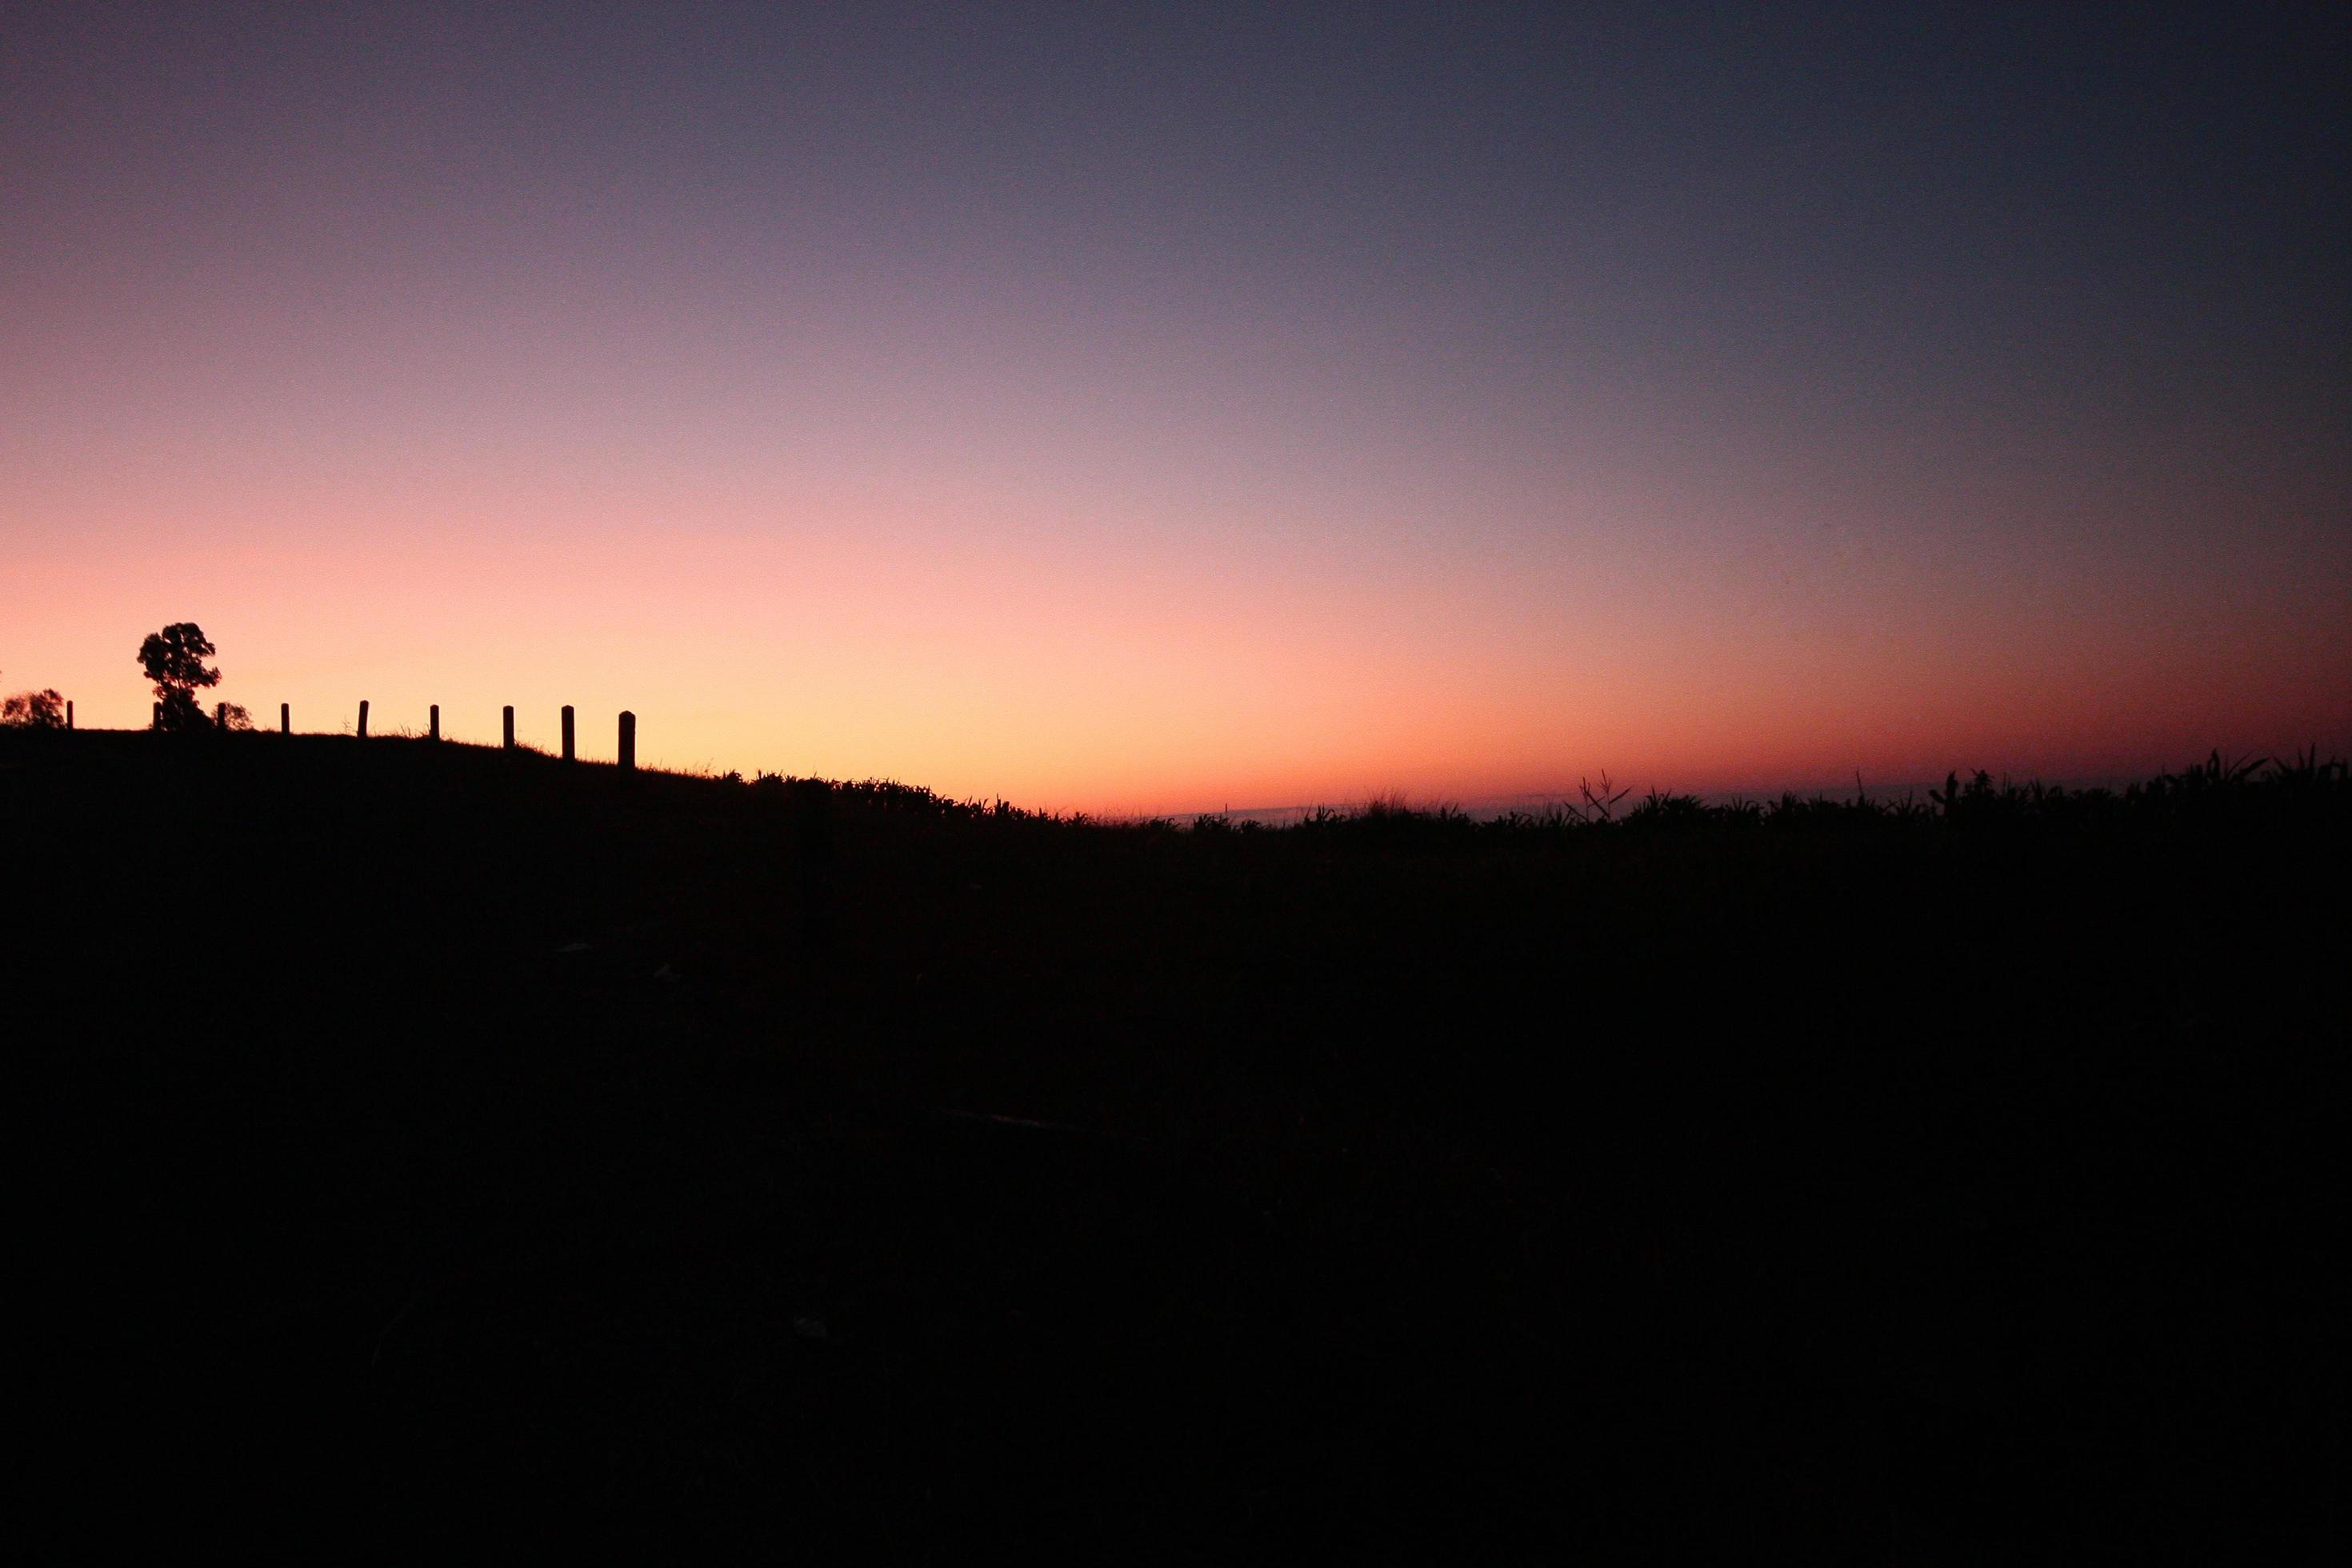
(1141, 443)
(994, 649)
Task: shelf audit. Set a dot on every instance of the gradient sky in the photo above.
(1139, 408)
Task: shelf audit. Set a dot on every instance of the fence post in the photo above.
(628, 742)
(567, 732)
(159, 715)
(509, 726)
(434, 721)
(69, 712)
(362, 717)
(285, 718)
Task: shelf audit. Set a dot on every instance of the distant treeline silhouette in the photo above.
(173, 661)
(2215, 784)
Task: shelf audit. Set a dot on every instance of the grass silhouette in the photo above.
(428, 1134)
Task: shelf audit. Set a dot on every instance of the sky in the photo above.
(1148, 408)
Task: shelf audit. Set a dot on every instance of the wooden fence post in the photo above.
(509, 726)
(362, 717)
(628, 742)
(567, 732)
(434, 721)
(69, 712)
(159, 715)
(285, 718)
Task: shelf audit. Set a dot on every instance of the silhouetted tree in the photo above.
(174, 660)
(33, 711)
(231, 716)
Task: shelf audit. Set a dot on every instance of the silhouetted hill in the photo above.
(424, 1135)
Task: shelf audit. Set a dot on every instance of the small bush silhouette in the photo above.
(231, 716)
(33, 711)
(1660, 809)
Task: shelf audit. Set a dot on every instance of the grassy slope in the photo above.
(434, 1130)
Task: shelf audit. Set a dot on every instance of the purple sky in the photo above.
(1144, 408)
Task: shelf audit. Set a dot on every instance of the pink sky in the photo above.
(1176, 482)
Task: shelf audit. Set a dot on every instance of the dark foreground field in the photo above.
(425, 1147)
